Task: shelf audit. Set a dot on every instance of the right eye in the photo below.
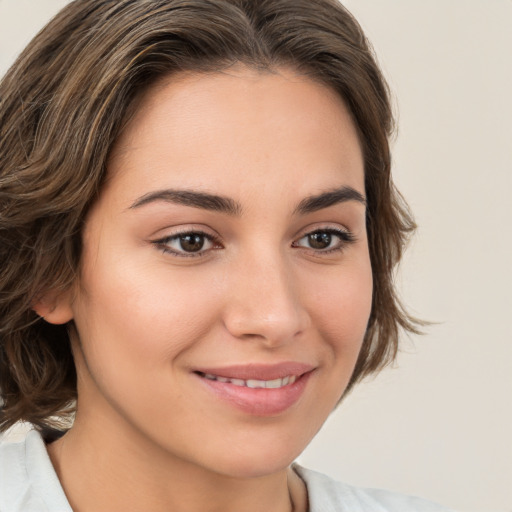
(187, 244)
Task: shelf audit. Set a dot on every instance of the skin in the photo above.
(148, 434)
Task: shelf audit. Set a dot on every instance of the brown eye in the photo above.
(194, 243)
(191, 242)
(320, 240)
(325, 240)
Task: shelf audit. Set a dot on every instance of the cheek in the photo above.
(341, 309)
(148, 314)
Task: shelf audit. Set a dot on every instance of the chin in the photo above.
(249, 459)
(246, 467)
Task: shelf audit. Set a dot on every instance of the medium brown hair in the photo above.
(64, 103)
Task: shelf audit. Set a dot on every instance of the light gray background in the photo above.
(440, 423)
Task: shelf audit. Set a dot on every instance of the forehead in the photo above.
(201, 129)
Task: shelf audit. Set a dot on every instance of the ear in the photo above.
(55, 307)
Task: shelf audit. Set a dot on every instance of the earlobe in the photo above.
(55, 309)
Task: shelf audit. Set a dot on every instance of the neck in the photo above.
(105, 469)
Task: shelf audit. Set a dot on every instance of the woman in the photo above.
(198, 238)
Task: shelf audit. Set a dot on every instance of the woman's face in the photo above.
(226, 282)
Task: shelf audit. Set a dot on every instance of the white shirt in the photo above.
(28, 483)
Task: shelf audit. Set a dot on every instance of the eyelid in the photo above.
(162, 242)
(346, 237)
(319, 226)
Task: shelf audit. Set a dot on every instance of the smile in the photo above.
(253, 383)
(257, 390)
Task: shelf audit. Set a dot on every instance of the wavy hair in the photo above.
(64, 103)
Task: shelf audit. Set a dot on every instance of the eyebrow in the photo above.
(330, 198)
(194, 199)
(221, 204)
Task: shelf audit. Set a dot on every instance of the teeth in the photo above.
(277, 383)
(254, 383)
(251, 383)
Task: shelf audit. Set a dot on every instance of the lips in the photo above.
(261, 390)
(254, 383)
(258, 371)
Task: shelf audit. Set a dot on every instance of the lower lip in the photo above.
(258, 401)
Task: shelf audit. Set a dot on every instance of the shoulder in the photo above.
(13, 476)
(328, 495)
(28, 482)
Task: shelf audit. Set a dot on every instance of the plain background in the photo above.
(439, 424)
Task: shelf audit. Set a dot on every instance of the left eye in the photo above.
(187, 244)
(325, 240)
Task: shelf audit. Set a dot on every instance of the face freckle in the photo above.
(167, 326)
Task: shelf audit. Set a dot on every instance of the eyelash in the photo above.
(345, 237)
(163, 243)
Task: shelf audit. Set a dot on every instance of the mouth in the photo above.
(252, 383)
(257, 390)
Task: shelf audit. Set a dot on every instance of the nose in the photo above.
(265, 302)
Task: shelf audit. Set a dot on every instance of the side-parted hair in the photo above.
(64, 103)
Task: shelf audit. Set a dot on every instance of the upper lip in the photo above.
(258, 371)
